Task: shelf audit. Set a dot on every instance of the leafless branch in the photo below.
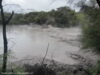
(45, 54)
(10, 18)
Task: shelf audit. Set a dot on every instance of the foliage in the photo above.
(38, 69)
(62, 17)
(91, 32)
(95, 70)
(82, 18)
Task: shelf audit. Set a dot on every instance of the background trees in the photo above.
(91, 31)
(62, 17)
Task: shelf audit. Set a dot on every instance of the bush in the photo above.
(91, 32)
(39, 69)
(95, 70)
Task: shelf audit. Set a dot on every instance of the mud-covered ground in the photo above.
(29, 43)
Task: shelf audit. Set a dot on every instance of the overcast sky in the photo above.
(38, 5)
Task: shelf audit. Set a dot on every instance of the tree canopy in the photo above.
(62, 17)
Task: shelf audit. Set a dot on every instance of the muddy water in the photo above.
(32, 41)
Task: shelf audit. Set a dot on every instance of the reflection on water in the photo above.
(28, 41)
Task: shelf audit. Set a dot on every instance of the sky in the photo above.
(38, 5)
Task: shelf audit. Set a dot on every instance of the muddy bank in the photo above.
(31, 41)
(56, 68)
(28, 42)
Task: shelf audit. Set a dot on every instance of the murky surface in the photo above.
(30, 41)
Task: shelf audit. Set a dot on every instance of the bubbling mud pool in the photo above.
(26, 42)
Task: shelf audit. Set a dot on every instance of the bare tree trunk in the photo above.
(4, 23)
(4, 40)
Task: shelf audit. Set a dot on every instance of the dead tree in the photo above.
(4, 23)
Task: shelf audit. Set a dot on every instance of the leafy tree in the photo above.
(91, 32)
(62, 17)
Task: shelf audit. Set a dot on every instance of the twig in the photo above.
(45, 54)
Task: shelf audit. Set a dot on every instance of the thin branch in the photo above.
(10, 18)
(45, 54)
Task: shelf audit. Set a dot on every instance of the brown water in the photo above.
(31, 41)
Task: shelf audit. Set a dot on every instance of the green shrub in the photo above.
(91, 32)
(95, 70)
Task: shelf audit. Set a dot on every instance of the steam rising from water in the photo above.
(29, 41)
